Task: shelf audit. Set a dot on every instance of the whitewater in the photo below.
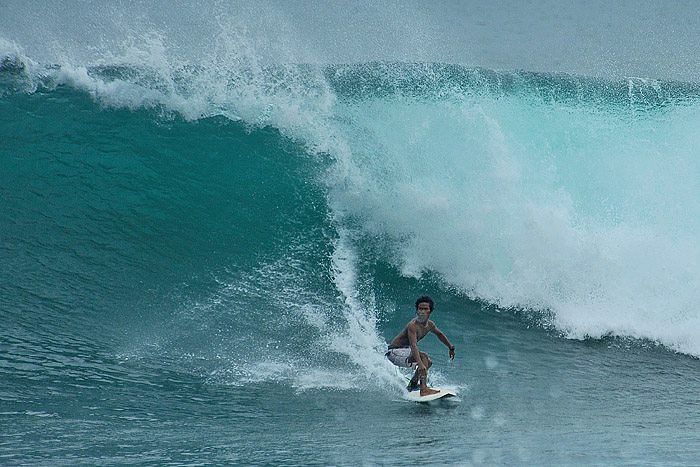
(209, 231)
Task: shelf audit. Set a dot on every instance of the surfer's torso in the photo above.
(421, 330)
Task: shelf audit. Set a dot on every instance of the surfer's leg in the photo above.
(428, 362)
(413, 384)
(423, 376)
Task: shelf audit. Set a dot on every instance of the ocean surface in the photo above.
(204, 249)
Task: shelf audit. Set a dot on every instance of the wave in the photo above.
(572, 196)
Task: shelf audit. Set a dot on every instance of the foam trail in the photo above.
(359, 341)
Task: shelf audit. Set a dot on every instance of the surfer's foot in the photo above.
(412, 386)
(428, 392)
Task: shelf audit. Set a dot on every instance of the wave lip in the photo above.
(149, 76)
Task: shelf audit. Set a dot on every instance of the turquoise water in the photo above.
(203, 259)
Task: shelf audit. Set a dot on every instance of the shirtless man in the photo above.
(403, 350)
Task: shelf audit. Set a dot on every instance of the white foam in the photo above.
(359, 338)
(599, 229)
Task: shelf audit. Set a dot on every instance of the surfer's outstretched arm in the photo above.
(443, 338)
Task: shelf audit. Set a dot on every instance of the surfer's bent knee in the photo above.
(426, 360)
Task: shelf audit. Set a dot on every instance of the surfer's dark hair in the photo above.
(425, 299)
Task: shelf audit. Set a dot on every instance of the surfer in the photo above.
(403, 350)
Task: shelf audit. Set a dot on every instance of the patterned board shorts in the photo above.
(400, 357)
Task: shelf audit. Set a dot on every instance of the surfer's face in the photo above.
(423, 312)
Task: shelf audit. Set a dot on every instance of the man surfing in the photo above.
(403, 350)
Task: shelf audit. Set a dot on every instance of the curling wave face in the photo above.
(571, 196)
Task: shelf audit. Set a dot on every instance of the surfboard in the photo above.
(416, 397)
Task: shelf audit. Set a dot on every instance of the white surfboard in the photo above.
(415, 395)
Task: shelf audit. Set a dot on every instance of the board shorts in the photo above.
(400, 356)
